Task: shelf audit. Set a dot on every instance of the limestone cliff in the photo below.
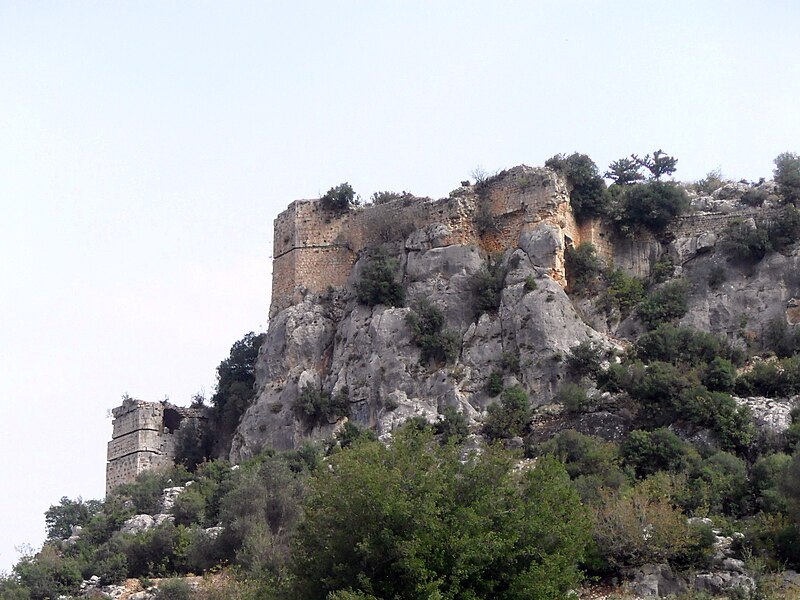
(521, 222)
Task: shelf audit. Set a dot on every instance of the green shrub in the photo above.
(746, 243)
(720, 375)
(766, 476)
(494, 385)
(649, 452)
(340, 198)
(624, 171)
(584, 359)
(583, 267)
(785, 229)
(663, 270)
(377, 284)
(755, 196)
(780, 339)
(787, 176)
(416, 520)
(664, 304)
(652, 205)
(174, 589)
(588, 196)
(573, 397)
(427, 326)
(189, 507)
(384, 197)
(779, 379)
(487, 287)
(352, 434)
(626, 291)
(684, 345)
(315, 407)
(710, 183)
(452, 426)
(485, 222)
(510, 417)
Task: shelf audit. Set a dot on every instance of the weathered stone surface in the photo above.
(137, 524)
(770, 413)
(542, 244)
(656, 581)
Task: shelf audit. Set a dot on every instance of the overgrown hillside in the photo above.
(455, 423)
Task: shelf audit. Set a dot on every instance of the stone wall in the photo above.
(315, 248)
(144, 437)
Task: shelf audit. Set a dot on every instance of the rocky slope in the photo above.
(331, 341)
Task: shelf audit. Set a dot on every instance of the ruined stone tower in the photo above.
(144, 437)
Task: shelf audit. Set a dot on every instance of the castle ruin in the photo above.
(144, 438)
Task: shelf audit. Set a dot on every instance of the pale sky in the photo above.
(146, 147)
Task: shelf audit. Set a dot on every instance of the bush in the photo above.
(663, 270)
(377, 284)
(437, 344)
(780, 379)
(623, 516)
(649, 452)
(510, 417)
(494, 385)
(588, 196)
(340, 198)
(755, 196)
(787, 176)
(452, 426)
(582, 266)
(584, 359)
(720, 375)
(315, 407)
(780, 339)
(487, 287)
(412, 520)
(530, 283)
(684, 345)
(652, 205)
(663, 305)
(573, 397)
(626, 291)
(174, 589)
(746, 243)
(785, 229)
(384, 197)
(624, 171)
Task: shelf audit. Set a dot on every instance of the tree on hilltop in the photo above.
(659, 164)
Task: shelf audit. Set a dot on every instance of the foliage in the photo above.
(787, 176)
(663, 270)
(624, 171)
(659, 164)
(785, 229)
(339, 198)
(510, 417)
(780, 339)
(746, 243)
(193, 444)
(779, 379)
(648, 452)
(588, 197)
(351, 434)
(174, 589)
(452, 426)
(260, 512)
(235, 389)
(530, 283)
(316, 407)
(494, 385)
(623, 289)
(427, 326)
(573, 397)
(585, 359)
(59, 519)
(411, 520)
(652, 205)
(584, 455)
(684, 345)
(485, 222)
(487, 287)
(720, 375)
(509, 361)
(636, 526)
(384, 197)
(377, 284)
(665, 304)
(583, 266)
(710, 183)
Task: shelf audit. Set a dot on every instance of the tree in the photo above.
(62, 517)
(235, 388)
(787, 176)
(377, 284)
(659, 164)
(624, 171)
(340, 198)
(588, 197)
(411, 520)
(653, 204)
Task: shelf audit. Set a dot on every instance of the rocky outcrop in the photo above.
(334, 343)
